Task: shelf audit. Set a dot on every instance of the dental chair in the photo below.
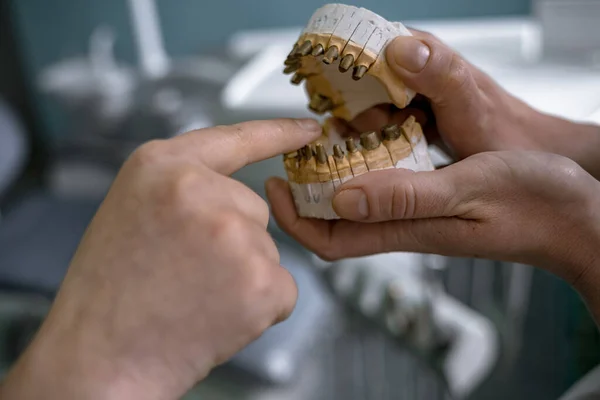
(38, 234)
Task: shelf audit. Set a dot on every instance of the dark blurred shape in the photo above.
(13, 147)
(38, 239)
(19, 133)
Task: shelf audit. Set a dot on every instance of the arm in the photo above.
(578, 141)
(170, 279)
(528, 207)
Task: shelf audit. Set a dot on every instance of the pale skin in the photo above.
(177, 272)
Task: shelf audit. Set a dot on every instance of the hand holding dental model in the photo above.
(509, 202)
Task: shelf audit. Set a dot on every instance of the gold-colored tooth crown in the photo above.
(321, 154)
(320, 104)
(391, 132)
(294, 51)
(307, 152)
(305, 49)
(337, 151)
(292, 58)
(297, 78)
(369, 140)
(331, 55)
(359, 72)
(351, 145)
(346, 63)
(292, 68)
(289, 155)
(318, 50)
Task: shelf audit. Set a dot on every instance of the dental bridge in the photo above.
(340, 56)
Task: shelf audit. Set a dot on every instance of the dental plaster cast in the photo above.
(340, 56)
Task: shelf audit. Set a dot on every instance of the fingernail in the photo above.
(309, 124)
(352, 204)
(409, 53)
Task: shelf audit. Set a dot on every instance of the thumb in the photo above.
(402, 194)
(433, 69)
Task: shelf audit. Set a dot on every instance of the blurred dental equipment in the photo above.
(569, 30)
(403, 293)
(113, 107)
(13, 147)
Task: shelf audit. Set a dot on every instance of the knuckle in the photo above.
(288, 304)
(237, 132)
(259, 206)
(404, 201)
(263, 210)
(457, 75)
(181, 191)
(260, 282)
(566, 168)
(150, 153)
(396, 200)
(384, 202)
(280, 127)
(230, 228)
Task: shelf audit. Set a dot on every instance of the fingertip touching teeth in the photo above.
(339, 58)
(318, 169)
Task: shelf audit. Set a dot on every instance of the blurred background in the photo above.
(83, 83)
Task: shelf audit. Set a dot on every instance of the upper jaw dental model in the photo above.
(340, 56)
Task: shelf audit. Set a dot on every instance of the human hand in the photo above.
(534, 208)
(174, 275)
(465, 112)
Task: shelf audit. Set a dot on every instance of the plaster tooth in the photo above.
(318, 50)
(346, 63)
(331, 55)
(359, 72)
(305, 49)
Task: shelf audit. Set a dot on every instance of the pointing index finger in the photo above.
(225, 149)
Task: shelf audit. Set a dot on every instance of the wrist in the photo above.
(578, 141)
(69, 367)
(584, 258)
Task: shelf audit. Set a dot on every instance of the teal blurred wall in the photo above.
(50, 30)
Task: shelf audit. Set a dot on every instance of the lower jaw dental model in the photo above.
(340, 56)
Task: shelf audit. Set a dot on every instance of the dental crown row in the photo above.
(312, 164)
(356, 34)
(330, 54)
